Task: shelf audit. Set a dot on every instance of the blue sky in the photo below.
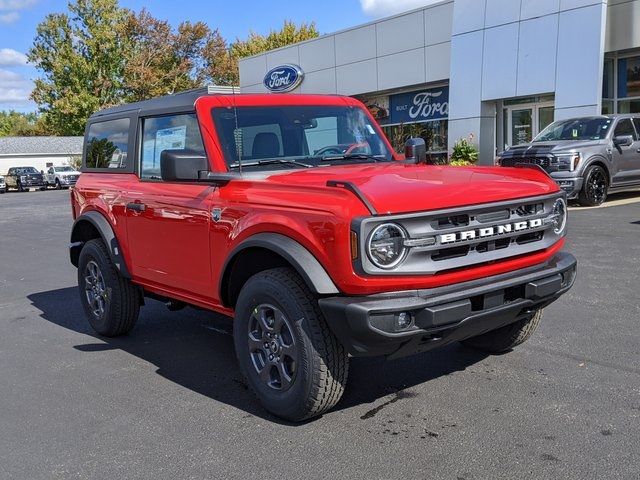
(234, 18)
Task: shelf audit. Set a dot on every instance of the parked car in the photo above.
(589, 157)
(3, 185)
(61, 177)
(24, 178)
(223, 205)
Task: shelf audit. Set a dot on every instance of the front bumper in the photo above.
(366, 326)
(570, 185)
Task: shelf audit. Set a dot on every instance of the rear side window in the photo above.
(107, 144)
(170, 132)
(636, 122)
(625, 127)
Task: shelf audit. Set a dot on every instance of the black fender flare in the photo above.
(102, 225)
(301, 259)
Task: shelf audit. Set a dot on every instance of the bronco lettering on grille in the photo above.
(488, 232)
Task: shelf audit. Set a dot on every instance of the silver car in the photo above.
(589, 157)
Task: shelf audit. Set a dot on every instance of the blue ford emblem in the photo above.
(283, 78)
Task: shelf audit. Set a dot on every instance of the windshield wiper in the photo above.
(272, 161)
(353, 156)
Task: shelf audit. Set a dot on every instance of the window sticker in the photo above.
(174, 138)
(574, 133)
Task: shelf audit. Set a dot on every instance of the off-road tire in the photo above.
(506, 338)
(122, 304)
(19, 187)
(587, 197)
(322, 363)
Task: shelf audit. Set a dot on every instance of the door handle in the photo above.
(136, 207)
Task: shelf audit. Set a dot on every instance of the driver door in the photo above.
(168, 223)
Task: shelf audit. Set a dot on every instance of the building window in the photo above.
(434, 134)
(621, 84)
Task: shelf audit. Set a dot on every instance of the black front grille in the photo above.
(544, 162)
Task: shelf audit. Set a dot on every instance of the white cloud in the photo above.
(379, 8)
(14, 88)
(10, 9)
(10, 17)
(16, 4)
(11, 57)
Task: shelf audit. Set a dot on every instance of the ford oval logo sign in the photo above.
(283, 78)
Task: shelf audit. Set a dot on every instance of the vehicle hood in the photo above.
(550, 147)
(68, 174)
(402, 188)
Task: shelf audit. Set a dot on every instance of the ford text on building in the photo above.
(501, 70)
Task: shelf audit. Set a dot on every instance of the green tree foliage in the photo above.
(16, 124)
(80, 55)
(99, 55)
(161, 60)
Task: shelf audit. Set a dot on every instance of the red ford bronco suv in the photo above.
(251, 206)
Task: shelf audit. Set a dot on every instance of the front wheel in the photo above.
(508, 337)
(285, 349)
(595, 187)
(111, 302)
(58, 185)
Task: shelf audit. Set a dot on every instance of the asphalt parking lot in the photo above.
(168, 401)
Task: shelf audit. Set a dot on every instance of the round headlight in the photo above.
(385, 246)
(559, 216)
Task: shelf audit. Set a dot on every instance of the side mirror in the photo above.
(623, 140)
(190, 166)
(416, 149)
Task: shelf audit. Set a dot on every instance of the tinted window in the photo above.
(636, 122)
(107, 144)
(577, 129)
(625, 127)
(174, 132)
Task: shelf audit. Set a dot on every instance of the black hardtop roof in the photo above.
(182, 100)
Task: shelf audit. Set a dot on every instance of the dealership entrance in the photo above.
(524, 118)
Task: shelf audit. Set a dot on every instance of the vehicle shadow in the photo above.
(194, 349)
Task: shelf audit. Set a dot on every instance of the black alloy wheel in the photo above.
(595, 188)
(272, 347)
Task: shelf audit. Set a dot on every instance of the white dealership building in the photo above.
(499, 70)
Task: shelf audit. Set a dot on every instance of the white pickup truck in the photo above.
(61, 177)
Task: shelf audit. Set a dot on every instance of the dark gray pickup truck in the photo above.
(589, 157)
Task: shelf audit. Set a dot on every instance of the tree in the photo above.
(160, 60)
(80, 56)
(221, 59)
(16, 124)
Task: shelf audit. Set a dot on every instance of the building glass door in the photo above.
(523, 120)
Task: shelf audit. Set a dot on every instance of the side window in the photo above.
(636, 122)
(625, 127)
(51, 172)
(107, 144)
(171, 132)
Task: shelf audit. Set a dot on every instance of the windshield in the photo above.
(298, 136)
(26, 170)
(577, 129)
(64, 169)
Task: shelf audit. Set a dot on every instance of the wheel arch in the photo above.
(600, 162)
(90, 226)
(264, 251)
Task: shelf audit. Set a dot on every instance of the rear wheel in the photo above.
(285, 349)
(111, 303)
(595, 187)
(508, 337)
